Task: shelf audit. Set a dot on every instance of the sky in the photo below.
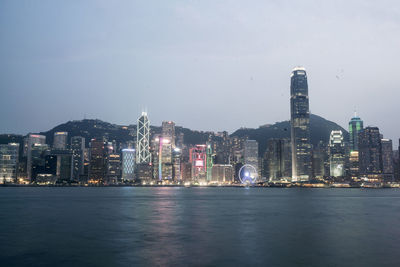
(207, 65)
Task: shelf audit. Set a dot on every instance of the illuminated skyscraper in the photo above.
(77, 148)
(60, 140)
(176, 162)
(113, 167)
(8, 162)
(337, 154)
(128, 164)
(300, 126)
(198, 158)
(168, 131)
(143, 139)
(250, 153)
(355, 127)
(29, 142)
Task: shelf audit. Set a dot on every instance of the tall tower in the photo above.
(370, 151)
(60, 140)
(143, 139)
(337, 154)
(300, 126)
(168, 131)
(355, 127)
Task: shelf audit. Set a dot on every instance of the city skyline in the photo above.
(120, 58)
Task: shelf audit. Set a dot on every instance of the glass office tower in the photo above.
(300, 126)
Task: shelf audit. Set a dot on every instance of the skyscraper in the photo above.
(279, 159)
(29, 142)
(176, 162)
(97, 165)
(250, 153)
(77, 148)
(198, 158)
(387, 160)
(128, 164)
(60, 140)
(337, 154)
(113, 168)
(143, 140)
(168, 131)
(300, 126)
(355, 127)
(8, 162)
(370, 151)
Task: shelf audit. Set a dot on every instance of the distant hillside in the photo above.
(320, 130)
(97, 128)
(11, 138)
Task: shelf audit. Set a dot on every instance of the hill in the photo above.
(320, 130)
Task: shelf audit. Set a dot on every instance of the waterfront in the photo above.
(176, 226)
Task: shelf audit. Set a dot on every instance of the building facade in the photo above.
(387, 160)
(278, 159)
(337, 154)
(143, 154)
(370, 152)
(9, 154)
(128, 164)
(355, 127)
(60, 140)
(300, 126)
(77, 149)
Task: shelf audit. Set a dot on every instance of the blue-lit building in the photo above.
(128, 164)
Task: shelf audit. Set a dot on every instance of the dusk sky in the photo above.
(207, 65)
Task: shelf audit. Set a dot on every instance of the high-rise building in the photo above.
(250, 153)
(320, 161)
(354, 165)
(113, 168)
(300, 126)
(97, 167)
(198, 158)
(144, 172)
(8, 162)
(162, 157)
(60, 140)
(143, 139)
(168, 131)
(370, 152)
(222, 174)
(77, 148)
(387, 160)
(37, 154)
(355, 127)
(337, 154)
(29, 142)
(128, 164)
(176, 162)
(209, 162)
(64, 164)
(278, 159)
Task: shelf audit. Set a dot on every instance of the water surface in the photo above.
(127, 226)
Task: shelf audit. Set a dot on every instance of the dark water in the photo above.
(199, 227)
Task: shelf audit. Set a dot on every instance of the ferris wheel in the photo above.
(248, 174)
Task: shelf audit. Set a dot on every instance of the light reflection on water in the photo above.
(198, 226)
